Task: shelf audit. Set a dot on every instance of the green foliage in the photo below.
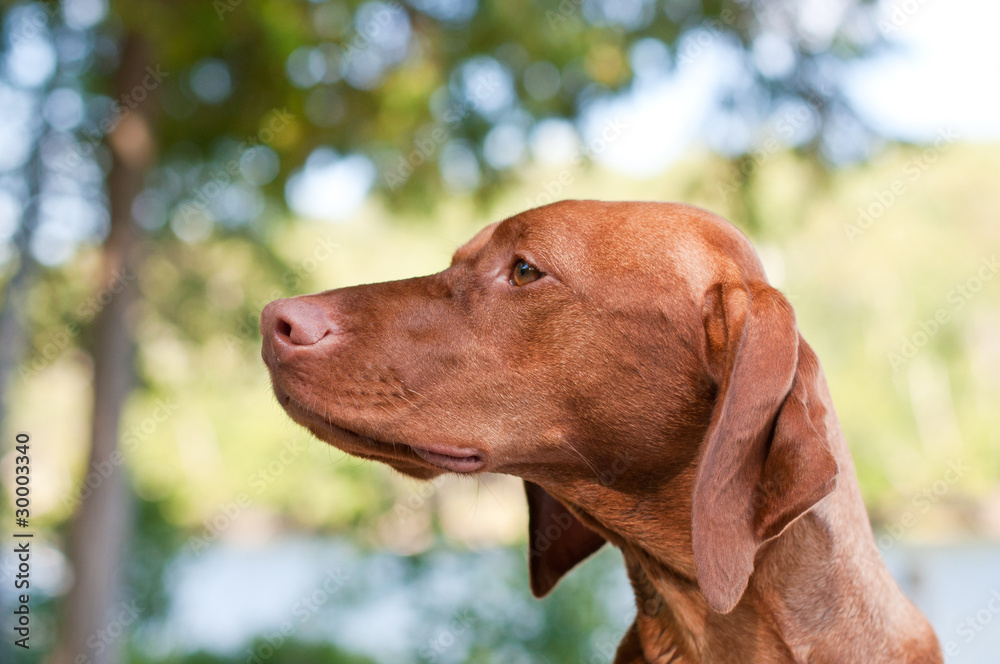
(399, 82)
(856, 302)
(153, 547)
(294, 652)
(201, 434)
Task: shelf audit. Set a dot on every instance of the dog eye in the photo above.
(524, 273)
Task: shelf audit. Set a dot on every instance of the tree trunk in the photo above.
(102, 526)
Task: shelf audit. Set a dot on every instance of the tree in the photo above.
(102, 525)
(200, 116)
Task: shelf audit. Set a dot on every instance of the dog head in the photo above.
(627, 360)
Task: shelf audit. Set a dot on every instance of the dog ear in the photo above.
(557, 541)
(765, 459)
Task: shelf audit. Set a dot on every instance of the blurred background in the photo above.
(169, 167)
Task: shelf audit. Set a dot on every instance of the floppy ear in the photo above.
(557, 541)
(766, 459)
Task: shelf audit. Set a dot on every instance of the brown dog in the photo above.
(630, 362)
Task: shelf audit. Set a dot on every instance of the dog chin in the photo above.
(352, 443)
(414, 471)
(411, 461)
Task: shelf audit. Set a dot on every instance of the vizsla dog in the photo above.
(631, 363)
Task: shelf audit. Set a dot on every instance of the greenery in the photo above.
(854, 299)
(871, 246)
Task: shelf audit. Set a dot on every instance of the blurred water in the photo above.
(387, 607)
(958, 589)
(328, 589)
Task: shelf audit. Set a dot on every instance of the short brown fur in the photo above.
(653, 391)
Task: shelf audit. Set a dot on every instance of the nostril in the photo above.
(283, 328)
(297, 322)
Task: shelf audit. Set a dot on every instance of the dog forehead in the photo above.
(641, 237)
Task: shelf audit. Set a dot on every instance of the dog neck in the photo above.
(822, 578)
(800, 597)
(674, 623)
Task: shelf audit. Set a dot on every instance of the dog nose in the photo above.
(295, 322)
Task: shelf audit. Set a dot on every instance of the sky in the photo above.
(942, 73)
(945, 73)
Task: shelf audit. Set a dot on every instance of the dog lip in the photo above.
(451, 458)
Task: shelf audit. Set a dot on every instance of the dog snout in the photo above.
(293, 324)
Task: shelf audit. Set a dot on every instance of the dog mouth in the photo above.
(405, 457)
(454, 459)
